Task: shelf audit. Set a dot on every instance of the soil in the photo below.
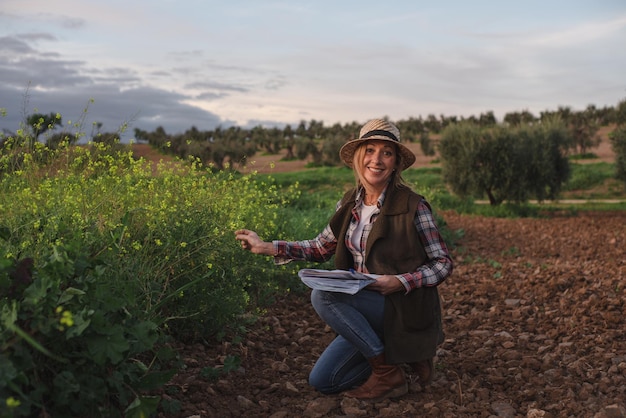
(534, 322)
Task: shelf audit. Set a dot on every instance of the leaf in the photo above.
(142, 407)
(112, 346)
(65, 387)
(155, 380)
(68, 294)
(37, 291)
(146, 335)
(80, 325)
(7, 370)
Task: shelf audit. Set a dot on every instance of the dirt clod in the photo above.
(534, 322)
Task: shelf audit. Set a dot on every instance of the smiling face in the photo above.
(375, 162)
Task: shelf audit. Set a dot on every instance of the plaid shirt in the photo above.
(434, 271)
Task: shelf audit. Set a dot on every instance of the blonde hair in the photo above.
(357, 167)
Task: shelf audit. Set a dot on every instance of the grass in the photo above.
(593, 181)
(321, 188)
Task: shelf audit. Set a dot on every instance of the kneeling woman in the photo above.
(385, 228)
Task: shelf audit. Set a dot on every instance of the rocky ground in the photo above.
(534, 322)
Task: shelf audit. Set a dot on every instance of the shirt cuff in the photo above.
(279, 253)
(405, 283)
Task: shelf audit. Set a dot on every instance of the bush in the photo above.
(121, 259)
(71, 344)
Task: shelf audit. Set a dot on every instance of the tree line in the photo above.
(312, 140)
(521, 157)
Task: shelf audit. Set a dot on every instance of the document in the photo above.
(344, 281)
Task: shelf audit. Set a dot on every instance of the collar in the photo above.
(360, 197)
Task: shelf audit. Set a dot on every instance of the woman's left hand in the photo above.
(386, 285)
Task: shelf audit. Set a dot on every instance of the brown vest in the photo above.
(413, 326)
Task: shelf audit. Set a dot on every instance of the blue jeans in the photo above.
(358, 321)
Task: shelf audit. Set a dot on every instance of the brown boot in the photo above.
(424, 370)
(386, 381)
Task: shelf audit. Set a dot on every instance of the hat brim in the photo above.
(349, 148)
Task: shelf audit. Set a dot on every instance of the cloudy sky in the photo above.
(204, 63)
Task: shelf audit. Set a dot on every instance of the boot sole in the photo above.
(394, 393)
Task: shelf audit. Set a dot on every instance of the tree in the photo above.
(432, 124)
(458, 148)
(288, 137)
(487, 119)
(513, 118)
(620, 113)
(547, 165)
(40, 123)
(584, 129)
(330, 150)
(618, 144)
(505, 163)
(426, 144)
(307, 146)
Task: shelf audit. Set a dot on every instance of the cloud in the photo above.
(45, 18)
(32, 81)
(575, 35)
(10, 45)
(213, 85)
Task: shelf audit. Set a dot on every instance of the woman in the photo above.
(380, 227)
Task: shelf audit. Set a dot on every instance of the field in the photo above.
(533, 316)
(534, 322)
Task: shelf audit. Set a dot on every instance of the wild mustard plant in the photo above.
(121, 258)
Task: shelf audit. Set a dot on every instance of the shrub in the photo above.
(126, 258)
(71, 345)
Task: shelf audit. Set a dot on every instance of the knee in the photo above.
(322, 383)
(318, 299)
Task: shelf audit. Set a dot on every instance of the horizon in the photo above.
(246, 64)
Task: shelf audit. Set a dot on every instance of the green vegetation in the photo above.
(506, 164)
(618, 140)
(103, 263)
(318, 144)
(593, 181)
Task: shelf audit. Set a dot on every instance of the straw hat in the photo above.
(378, 129)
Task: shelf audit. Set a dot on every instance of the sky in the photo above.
(204, 63)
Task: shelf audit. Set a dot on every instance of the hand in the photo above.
(250, 241)
(387, 284)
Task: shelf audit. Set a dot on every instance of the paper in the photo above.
(344, 281)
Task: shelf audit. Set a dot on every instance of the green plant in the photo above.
(128, 259)
(231, 363)
(505, 163)
(587, 176)
(70, 344)
(618, 143)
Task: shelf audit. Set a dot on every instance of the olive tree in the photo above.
(505, 163)
(618, 143)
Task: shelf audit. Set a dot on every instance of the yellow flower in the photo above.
(66, 319)
(12, 402)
